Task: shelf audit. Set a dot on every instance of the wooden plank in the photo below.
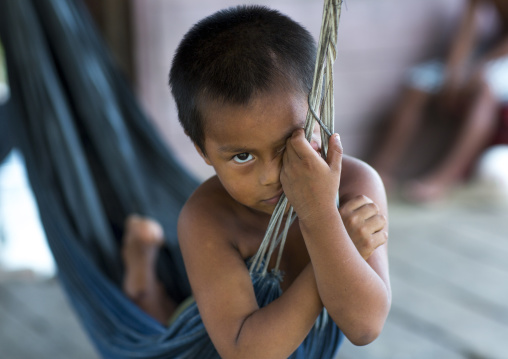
(37, 313)
(442, 291)
(467, 274)
(397, 342)
(423, 310)
(55, 309)
(444, 280)
(14, 336)
(19, 330)
(493, 308)
(484, 229)
(415, 227)
(487, 244)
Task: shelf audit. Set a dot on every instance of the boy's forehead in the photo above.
(277, 113)
(275, 101)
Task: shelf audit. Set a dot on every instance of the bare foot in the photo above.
(142, 241)
(426, 190)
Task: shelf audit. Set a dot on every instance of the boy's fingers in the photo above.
(315, 141)
(379, 238)
(315, 145)
(298, 146)
(290, 153)
(334, 155)
(355, 203)
(376, 223)
(367, 211)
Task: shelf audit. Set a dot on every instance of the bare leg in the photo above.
(141, 244)
(478, 126)
(406, 120)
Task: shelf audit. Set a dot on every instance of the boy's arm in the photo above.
(355, 292)
(226, 300)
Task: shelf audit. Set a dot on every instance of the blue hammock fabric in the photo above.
(92, 158)
(323, 340)
(6, 140)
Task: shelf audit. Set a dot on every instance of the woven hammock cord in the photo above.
(320, 97)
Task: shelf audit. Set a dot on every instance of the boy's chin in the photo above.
(272, 209)
(264, 209)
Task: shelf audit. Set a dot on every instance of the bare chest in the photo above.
(294, 256)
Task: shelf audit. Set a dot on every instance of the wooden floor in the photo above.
(450, 287)
(449, 278)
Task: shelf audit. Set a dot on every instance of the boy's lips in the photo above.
(274, 199)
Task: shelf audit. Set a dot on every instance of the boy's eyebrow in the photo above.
(241, 149)
(232, 149)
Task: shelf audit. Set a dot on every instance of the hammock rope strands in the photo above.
(321, 96)
(92, 159)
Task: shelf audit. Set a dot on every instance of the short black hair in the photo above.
(234, 54)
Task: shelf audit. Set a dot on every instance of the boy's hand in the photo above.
(315, 140)
(364, 224)
(309, 182)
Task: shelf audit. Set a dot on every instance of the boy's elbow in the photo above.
(366, 336)
(367, 331)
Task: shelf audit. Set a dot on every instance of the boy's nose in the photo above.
(270, 173)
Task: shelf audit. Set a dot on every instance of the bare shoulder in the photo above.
(359, 178)
(207, 211)
(209, 193)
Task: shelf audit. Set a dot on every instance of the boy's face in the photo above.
(244, 144)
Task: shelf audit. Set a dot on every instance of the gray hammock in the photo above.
(92, 159)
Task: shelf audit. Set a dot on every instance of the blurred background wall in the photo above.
(378, 40)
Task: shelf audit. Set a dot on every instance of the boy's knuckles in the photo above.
(365, 232)
(379, 224)
(366, 249)
(364, 199)
(351, 221)
(381, 238)
(378, 219)
(344, 211)
(372, 206)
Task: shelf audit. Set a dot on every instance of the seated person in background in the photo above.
(470, 87)
(241, 79)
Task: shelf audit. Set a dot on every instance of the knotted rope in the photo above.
(320, 97)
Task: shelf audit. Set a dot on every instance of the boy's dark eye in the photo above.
(242, 157)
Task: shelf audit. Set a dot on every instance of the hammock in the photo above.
(92, 159)
(6, 141)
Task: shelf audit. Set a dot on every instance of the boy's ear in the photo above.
(203, 156)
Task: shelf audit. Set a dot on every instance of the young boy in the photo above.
(241, 78)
